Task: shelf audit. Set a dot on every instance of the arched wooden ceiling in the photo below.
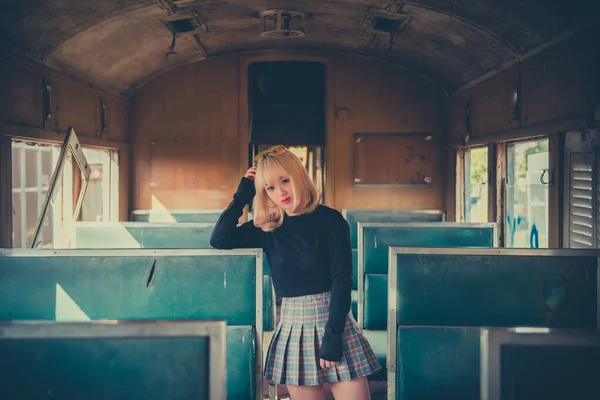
(119, 44)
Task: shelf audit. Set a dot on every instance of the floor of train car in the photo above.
(378, 388)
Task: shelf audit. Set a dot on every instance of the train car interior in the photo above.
(458, 140)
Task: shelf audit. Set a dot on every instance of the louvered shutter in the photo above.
(583, 215)
(597, 201)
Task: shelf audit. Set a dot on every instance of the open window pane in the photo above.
(476, 190)
(70, 150)
(526, 199)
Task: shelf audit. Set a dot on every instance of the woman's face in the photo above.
(279, 190)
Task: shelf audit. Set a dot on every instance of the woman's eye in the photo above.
(269, 188)
(285, 181)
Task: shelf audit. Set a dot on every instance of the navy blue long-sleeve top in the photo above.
(307, 254)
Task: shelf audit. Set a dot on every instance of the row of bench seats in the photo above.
(378, 284)
(138, 285)
(443, 301)
(414, 385)
(374, 240)
(354, 216)
(441, 359)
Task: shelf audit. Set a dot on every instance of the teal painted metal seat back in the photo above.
(142, 235)
(106, 360)
(193, 216)
(150, 235)
(495, 287)
(380, 215)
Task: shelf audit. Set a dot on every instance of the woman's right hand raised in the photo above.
(251, 173)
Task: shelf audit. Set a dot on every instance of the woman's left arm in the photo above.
(340, 265)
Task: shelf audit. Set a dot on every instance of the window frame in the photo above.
(461, 181)
(62, 228)
(70, 146)
(498, 174)
(550, 169)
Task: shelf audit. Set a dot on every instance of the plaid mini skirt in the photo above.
(293, 353)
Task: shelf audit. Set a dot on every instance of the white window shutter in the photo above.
(597, 201)
(583, 201)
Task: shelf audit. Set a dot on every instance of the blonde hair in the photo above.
(269, 216)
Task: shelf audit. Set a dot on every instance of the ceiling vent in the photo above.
(183, 25)
(385, 23)
(281, 24)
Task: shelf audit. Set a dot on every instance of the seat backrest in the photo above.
(493, 287)
(374, 239)
(198, 216)
(380, 215)
(142, 235)
(106, 360)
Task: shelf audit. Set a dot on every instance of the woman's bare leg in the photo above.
(356, 389)
(306, 392)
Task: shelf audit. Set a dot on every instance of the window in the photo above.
(476, 181)
(33, 165)
(95, 207)
(32, 168)
(526, 201)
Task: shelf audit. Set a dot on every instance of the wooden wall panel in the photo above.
(74, 107)
(382, 98)
(185, 136)
(21, 101)
(556, 87)
(456, 107)
(73, 103)
(117, 120)
(190, 138)
(491, 104)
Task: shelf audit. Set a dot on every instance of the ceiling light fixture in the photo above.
(281, 24)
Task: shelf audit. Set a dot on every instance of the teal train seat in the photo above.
(199, 216)
(374, 239)
(439, 298)
(149, 235)
(552, 364)
(99, 360)
(142, 235)
(141, 284)
(381, 215)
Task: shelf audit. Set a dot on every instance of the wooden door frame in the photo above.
(244, 61)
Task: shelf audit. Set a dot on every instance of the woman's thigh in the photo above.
(356, 389)
(306, 392)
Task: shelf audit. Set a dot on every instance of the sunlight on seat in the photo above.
(91, 235)
(159, 212)
(66, 308)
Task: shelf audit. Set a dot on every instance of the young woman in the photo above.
(310, 258)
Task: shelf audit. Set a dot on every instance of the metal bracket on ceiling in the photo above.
(383, 23)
